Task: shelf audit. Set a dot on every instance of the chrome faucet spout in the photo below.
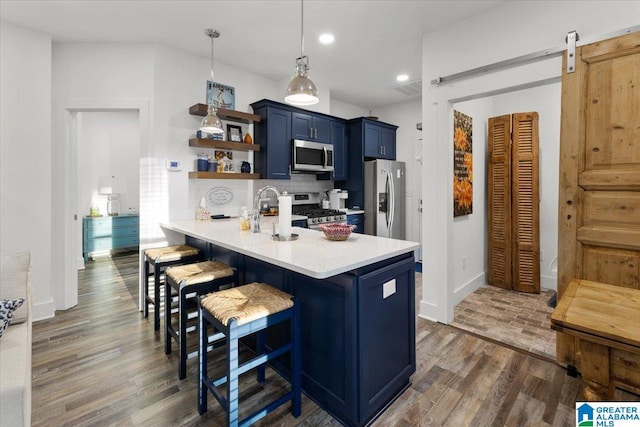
(256, 206)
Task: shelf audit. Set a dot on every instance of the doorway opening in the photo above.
(518, 320)
(77, 112)
(108, 153)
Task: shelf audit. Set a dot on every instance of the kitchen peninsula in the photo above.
(357, 306)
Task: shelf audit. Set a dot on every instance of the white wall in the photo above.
(469, 232)
(347, 111)
(25, 155)
(180, 80)
(89, 77)
(108, 146)
(510, 30)
(406, 115)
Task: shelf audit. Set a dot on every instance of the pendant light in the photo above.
(301, 90)
(211, 123)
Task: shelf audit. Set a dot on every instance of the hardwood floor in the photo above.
(101, 363)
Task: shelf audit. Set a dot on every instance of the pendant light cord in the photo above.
(211, 68)
(301, 28)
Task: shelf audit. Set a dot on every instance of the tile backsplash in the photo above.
(299, 183)
(244, 191)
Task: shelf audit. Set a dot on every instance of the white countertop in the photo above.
(354, 211)
(312, 254)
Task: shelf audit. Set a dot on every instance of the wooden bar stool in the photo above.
(236, 313)
(160, 259)
(189, 281)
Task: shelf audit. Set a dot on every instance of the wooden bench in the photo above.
(606, 321)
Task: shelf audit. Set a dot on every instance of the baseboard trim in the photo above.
(548, 282)
(43, 310)
(468, 288)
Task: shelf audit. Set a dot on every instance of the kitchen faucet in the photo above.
(256, 206)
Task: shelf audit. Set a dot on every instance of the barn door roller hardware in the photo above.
(571, 39)
(571, 42)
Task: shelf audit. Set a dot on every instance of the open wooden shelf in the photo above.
(223, 175)
(226, 145)
(224, 114)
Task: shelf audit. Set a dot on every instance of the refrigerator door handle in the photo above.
(392, 196)
(386, 192)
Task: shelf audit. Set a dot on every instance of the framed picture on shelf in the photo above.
(223, 96)
(234, 133)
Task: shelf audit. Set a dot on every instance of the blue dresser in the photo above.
(108, 233)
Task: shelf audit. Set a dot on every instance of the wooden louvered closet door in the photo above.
(513, 203)
(525, 201)
(499, 202)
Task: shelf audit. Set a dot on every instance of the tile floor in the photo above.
(517, 319)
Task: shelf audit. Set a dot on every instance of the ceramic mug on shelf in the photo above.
(203, 162)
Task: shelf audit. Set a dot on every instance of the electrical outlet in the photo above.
(464, 262)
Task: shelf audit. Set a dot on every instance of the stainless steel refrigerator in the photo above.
(384, 205)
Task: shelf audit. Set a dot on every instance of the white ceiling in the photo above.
(375, 39)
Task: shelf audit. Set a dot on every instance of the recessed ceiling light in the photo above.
(402, 77)
(326, 38)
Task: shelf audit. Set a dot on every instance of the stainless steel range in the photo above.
(308, 204)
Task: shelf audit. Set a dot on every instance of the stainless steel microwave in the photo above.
(311, 156)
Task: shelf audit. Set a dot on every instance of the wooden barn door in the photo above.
(513, 214)
(599, 194)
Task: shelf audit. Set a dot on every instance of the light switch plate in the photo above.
(388, 288)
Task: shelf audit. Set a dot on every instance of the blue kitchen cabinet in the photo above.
(310, 127)
(273, 134)
(340, 149)
(107, 233)
(367, 140)
(379, 141)
(358, 345)
(388, 143)
(302, 223)
(387, 293)
(280, 123)
(358, 221)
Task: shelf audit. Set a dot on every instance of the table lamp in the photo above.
(112, 187)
